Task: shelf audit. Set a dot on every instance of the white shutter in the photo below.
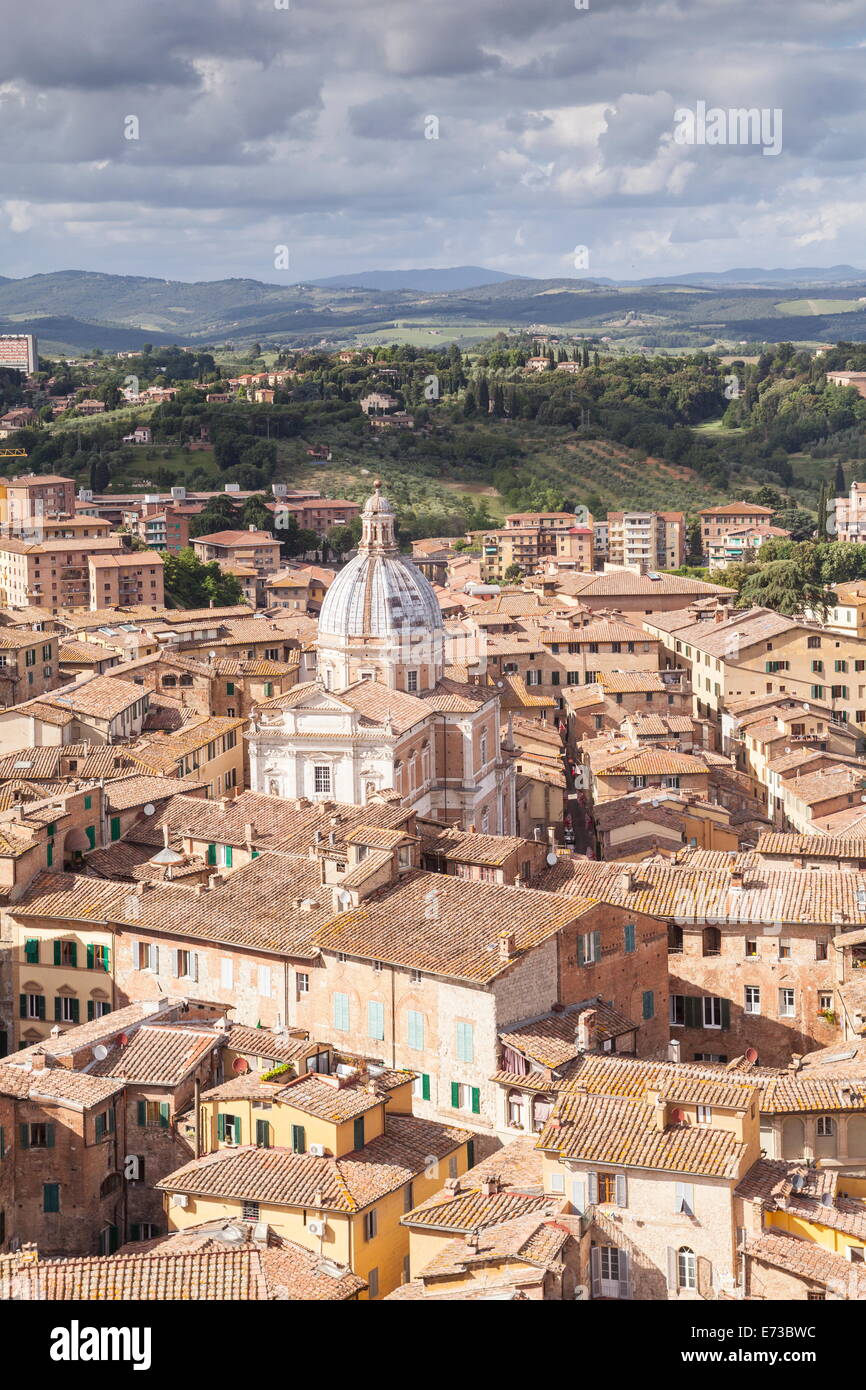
(578, 1194)
(621, 1190)
(226, 973)
(592, 1181)
(595, 1271)
(154, 959)
(175, 964)
(624, 1289)
(195, 965)
(672, 1269)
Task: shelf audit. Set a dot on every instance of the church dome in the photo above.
(379, 593)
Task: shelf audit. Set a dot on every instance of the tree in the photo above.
(191, 584)
(469, 405)
(514, 572)
(483, 397)
(786, 587)
(839, 484)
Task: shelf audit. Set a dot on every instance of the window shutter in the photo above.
(154, 959)
(238, 1129)
(691, 1011)
(592, 1188)
(221, 1126)
(106, 958)
(629, 937)
(425, 1086)
(455, 1095)
(229, 856)
(299, 1139)
(623, 1275)
(73, 953)
(57, 953)
(75, 1010)
(163, 1114)
(263, 1134)
(41, 1005)
(195, 966)
(22, 1006)
(136, 1231)
(726, 1013)
(596, 945)
(211, 854)
(115, 827)
(581, 951)
(142, 1112)
(24, 1136)
(91, 1011)
(621, 1190)
(578, 1194)
(595, 1270)
(672, 1269)
(91, 955)
(58, 1009)
(705, 1277)
(476, 1100)
(175, 968)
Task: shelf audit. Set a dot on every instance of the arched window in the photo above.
(712, 941)
(793, 1137)
(516, 1109)
(169, 681)
(186, 680)
(825, 1137)
(687, 1268)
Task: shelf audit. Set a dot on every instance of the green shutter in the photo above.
(726, 1013)
(106, 958)
(2, 1142)
(135, 1231)
(470, 1153)
(581, 950)
(22, 1006)
(692, 1011)
(41, 1006)
(221, 1126)
(31, 950)
(237, 1129)
(263, 1134)
(90, 832)
(425, 1086)
(58, 1009)
(629, 937)
(88, 803)
(75, 1011)
(57, 960)
(358, 1132)
(115, 827)
(142, 1112)
(455, 1095)
(648, 1004)
(299, 1139)
(476, 1101)
(73, 952)
(230, 687)
(211, 854)
(24, 1136)
(163, 1114)
(50, 856)
(91, 955)
(91, 1011)
(229, 856)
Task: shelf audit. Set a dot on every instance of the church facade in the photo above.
(385, 714)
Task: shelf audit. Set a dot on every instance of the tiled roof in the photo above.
(630, 682)
(157, 1054)
(101, 697)
(625, 582)
(534, 1238)
(616, 1130)
(57, 1084)
(280, 1178)
(140, 789)
(326, 1098)
(807, 1261)
(469, 848)
(812, 846)
(550, 1039)
(261, 1042)
(446, 925)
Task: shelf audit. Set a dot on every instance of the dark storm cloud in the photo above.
(308, 126)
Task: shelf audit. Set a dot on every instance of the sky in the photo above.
(287, 140)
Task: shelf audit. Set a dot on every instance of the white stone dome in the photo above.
(380, 593)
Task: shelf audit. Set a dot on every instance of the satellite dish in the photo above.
(149, 809)
(677, 1117)
(655, 801)
(100, 1052)
(751, 1055)
(240, 1065)
(552, 859)
(122, 1040)
(212, 656)
(806, 708)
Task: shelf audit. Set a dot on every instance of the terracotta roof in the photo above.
(57, 1084)
(277, 1177)
(262, 1042)
(812, 846)
(469, 848)
(807, 1261)
(444, 925)
(737, 509)
(157, 1054)
(551, 1038)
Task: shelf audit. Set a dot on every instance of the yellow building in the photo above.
(332, 1162)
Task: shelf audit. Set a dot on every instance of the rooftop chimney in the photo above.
(674, 1050)
(585, 1032)
(506, 945)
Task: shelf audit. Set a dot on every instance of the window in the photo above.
(684, 1198)
(144, 1230)
(825, 1002)
(606, 1187)
(784, 950)
(104, 1123)
(704, 1114)
(321, 780)
(753, 999)
(148, 956)
(31, 951)
(302, 982)
(370, 1224)
(37, 1136)
(649, 1007)
(465, 1042)
(712, 1010)
(588, 948)
(826, 1127)
(98, 957)
(66, 1009)
(787, 1006)
(557, 1182)
(264, 981)
(464, 1097)
(186, 965)
(821, 950)
(375, 1020)
(629, 935)
(415, 1030)
(50, 1197)
(152, 1113)
(677, 1010)
(250, 1211)
(299, 1139)
(687, 1268)
(372, 1283)
(226, 973)
(751, 949)
(712, 941)
(340, 1015)
(412, 681)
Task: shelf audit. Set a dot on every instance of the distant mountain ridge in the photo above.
(456, 277)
